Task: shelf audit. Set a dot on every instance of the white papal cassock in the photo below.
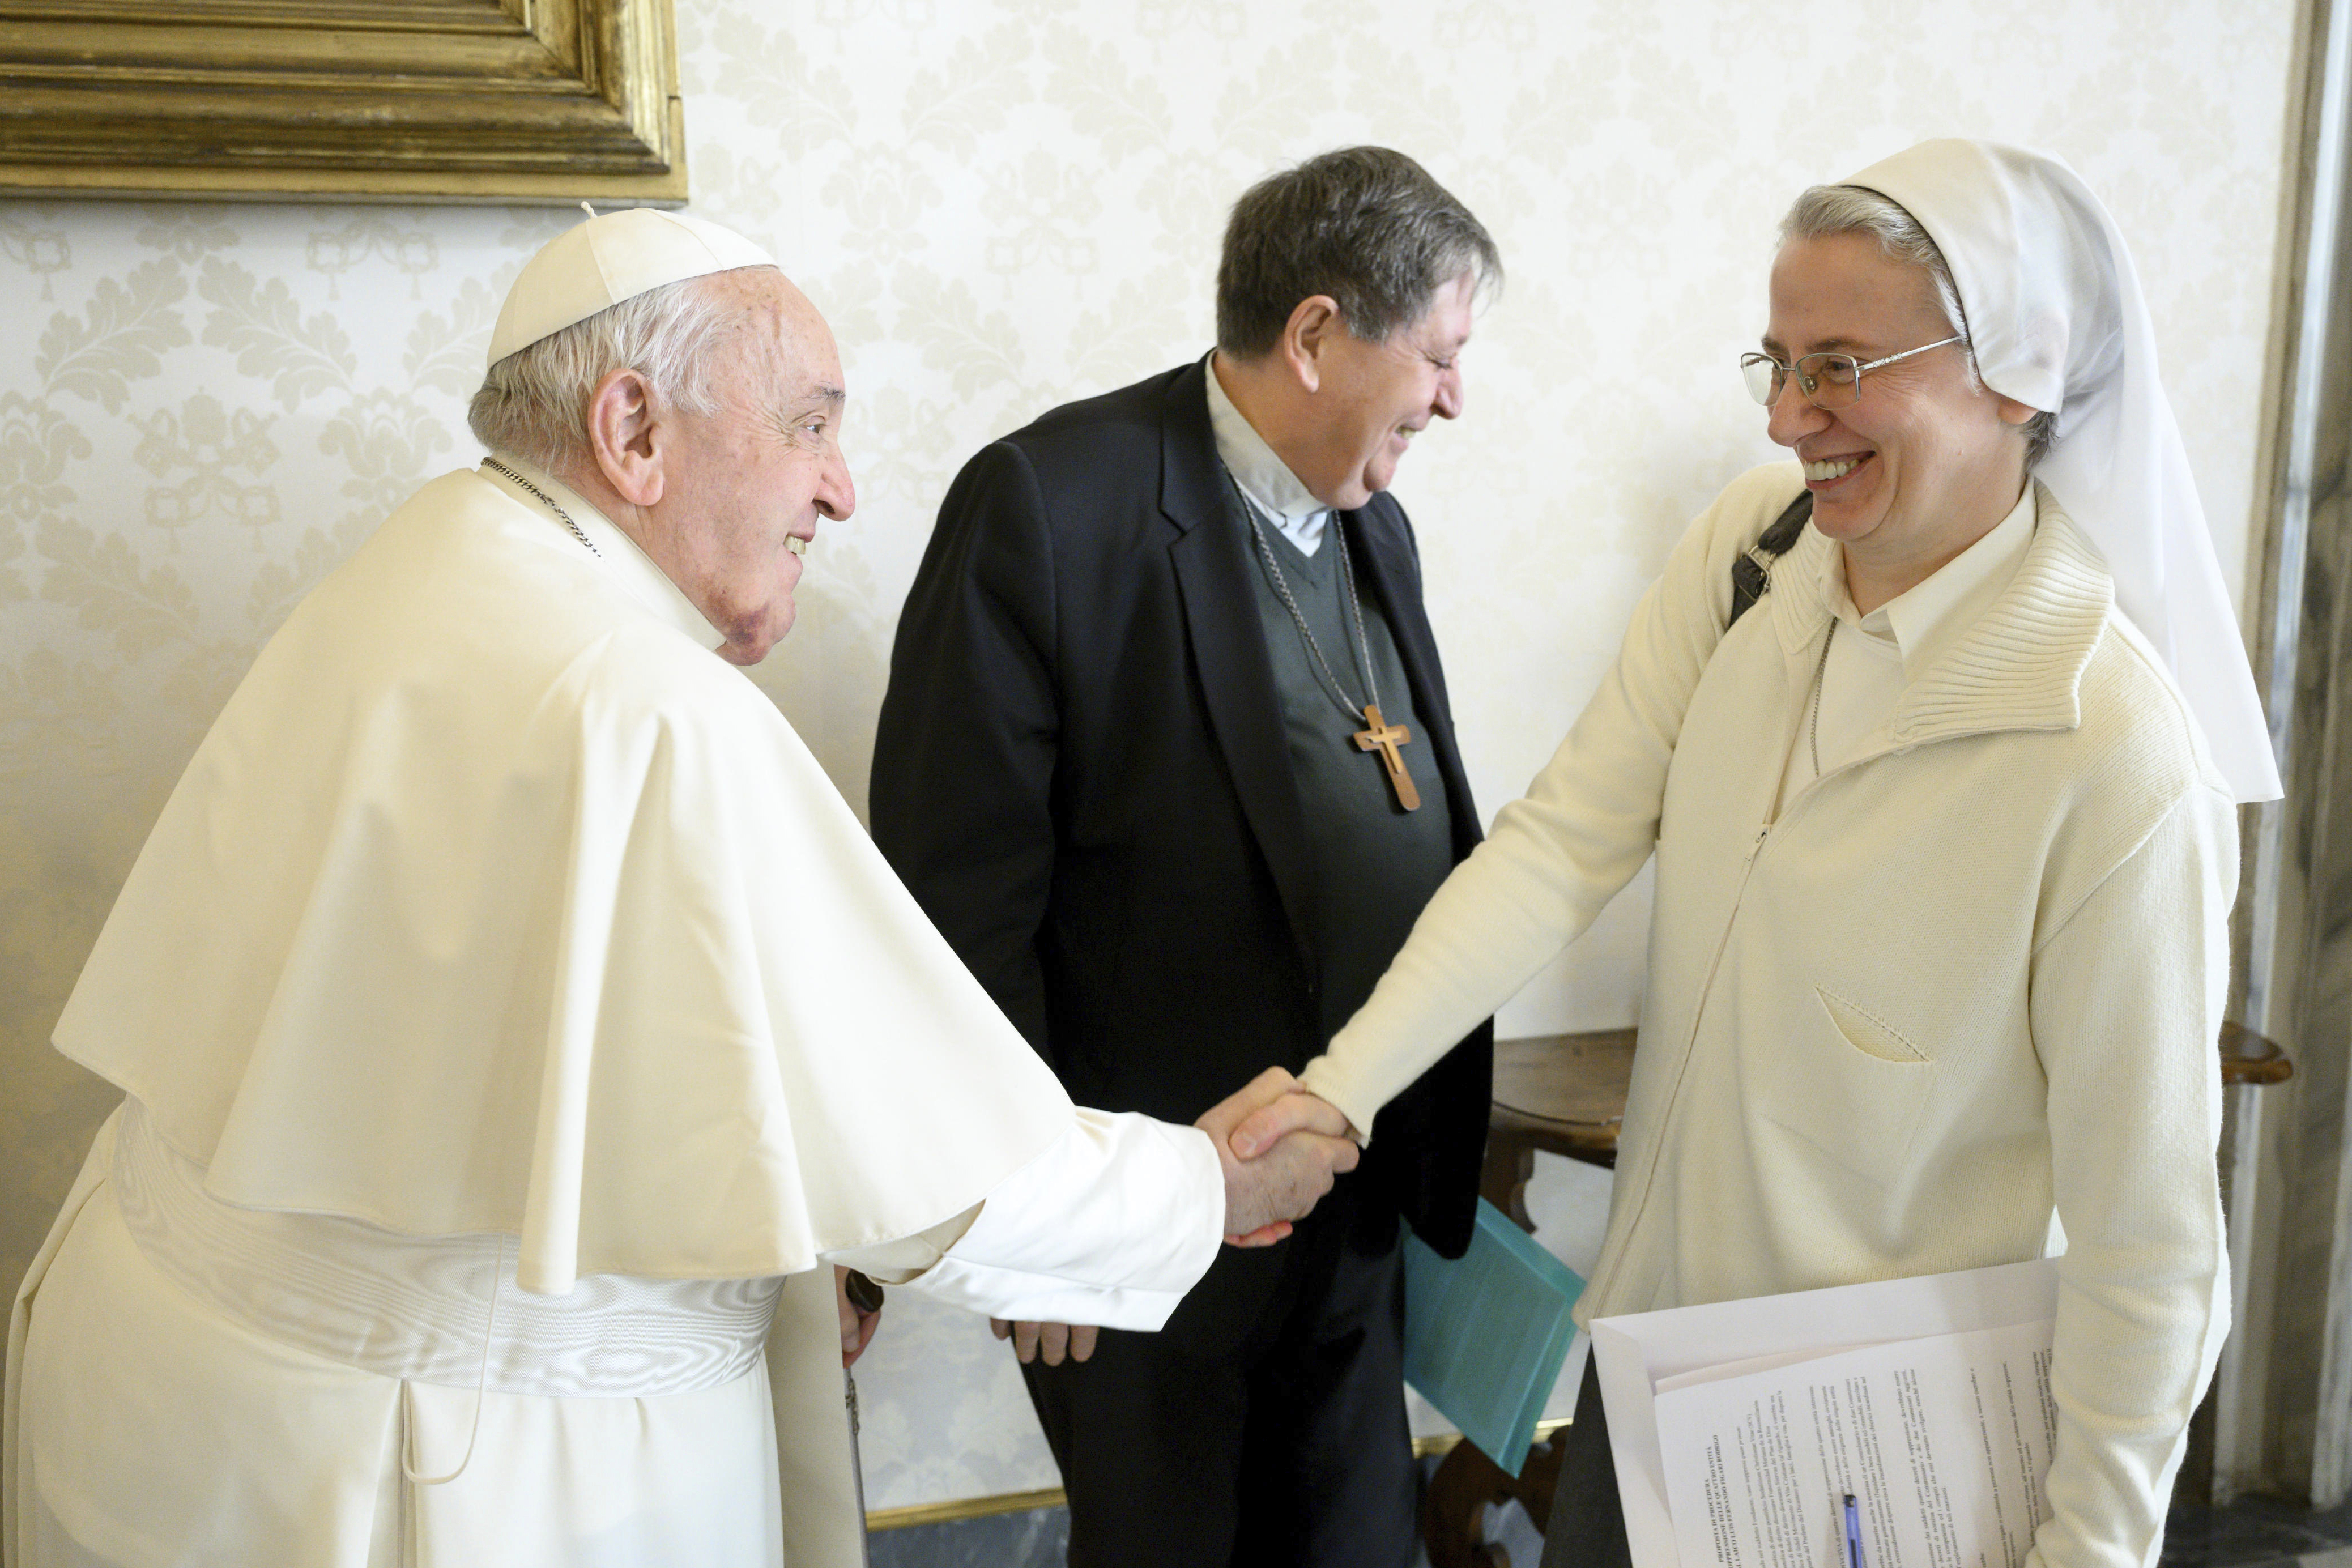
(513, 1020)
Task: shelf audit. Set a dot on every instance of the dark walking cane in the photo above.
(866, 1297)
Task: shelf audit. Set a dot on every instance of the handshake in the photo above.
(1280, 1148)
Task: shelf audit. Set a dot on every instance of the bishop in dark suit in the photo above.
(1167, 756)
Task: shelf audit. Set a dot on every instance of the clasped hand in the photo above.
(1280, 1149)
(858, 1324)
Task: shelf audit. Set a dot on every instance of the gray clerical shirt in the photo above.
(1375, 863)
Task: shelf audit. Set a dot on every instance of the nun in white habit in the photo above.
(514, 1022)
(1945, 830)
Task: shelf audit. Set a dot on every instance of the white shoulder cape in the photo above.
(494, 902)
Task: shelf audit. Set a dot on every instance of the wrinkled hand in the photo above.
(1290, 1171)
(857, 1328)
(1056, 1339)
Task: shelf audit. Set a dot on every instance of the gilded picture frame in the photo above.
(506, 101)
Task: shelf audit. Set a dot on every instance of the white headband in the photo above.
(2057, 321)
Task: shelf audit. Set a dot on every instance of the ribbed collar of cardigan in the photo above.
(1918, 624)
(2017, 666)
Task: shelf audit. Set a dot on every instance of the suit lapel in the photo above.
(1377, 536)
(1229, 651)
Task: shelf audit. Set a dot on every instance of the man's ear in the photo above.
(621, 430)
(1305, 336)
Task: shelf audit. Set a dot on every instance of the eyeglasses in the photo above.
(1828, 380)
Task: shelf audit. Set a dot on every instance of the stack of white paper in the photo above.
(1740, 1428)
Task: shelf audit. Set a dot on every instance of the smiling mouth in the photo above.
(796, 544)
(1834, 468)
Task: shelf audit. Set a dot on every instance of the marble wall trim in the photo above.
(2284, 1390)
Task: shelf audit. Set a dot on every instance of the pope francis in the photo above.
(513, 1022)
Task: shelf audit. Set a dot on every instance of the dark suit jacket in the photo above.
(1081, 772)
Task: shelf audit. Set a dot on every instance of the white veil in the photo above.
(2057, 322)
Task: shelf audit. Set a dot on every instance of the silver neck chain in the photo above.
(1331, 682)
(548, 502)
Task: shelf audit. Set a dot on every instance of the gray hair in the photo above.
(1366, 226)
(1826, 210)
(533, 404)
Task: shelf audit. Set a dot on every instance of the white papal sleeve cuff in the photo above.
(1109, 1225)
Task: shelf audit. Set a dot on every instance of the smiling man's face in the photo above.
(1376, 396)
(749, 481)
(1927, 459)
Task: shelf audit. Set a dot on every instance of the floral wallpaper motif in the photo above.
(1002, 204)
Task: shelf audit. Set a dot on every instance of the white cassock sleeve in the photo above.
(1112, 1224)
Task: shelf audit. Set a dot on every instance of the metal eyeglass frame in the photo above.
(1810, 382)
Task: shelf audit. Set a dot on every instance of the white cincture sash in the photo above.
(416, 1307)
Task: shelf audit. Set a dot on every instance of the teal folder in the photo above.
(1484, 1334)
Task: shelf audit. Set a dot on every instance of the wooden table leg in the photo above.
(1452, 1516)
(1510, 1164)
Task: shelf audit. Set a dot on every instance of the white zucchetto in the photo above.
(595, 265)
(2057, 321)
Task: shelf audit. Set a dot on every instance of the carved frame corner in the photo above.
(484, 101)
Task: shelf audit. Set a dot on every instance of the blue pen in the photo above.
(1852, 1533)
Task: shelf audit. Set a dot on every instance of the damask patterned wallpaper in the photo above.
(1002, 204)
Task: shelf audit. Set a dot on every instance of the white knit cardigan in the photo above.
(1975, 970)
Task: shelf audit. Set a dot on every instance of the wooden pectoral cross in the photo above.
(1385, 738)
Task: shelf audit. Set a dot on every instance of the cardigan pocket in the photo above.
(1852, 1086)
(1871, 1035)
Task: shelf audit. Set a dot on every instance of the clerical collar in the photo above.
(612, 549)
(1262, 475)
(1922, 621)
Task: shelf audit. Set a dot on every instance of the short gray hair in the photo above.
(1826, 210)
(1366, 226)
(533, 404)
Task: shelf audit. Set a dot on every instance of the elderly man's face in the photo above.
(1376, 396)
(1927, 459)
(761, 471)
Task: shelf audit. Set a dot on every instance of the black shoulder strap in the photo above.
(1748, 573)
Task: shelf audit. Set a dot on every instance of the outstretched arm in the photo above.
(1559, 854)
(1262, 1197)
(1115, 1222)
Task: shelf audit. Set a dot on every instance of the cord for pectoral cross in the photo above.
(1331, 682)
(1377, 735)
